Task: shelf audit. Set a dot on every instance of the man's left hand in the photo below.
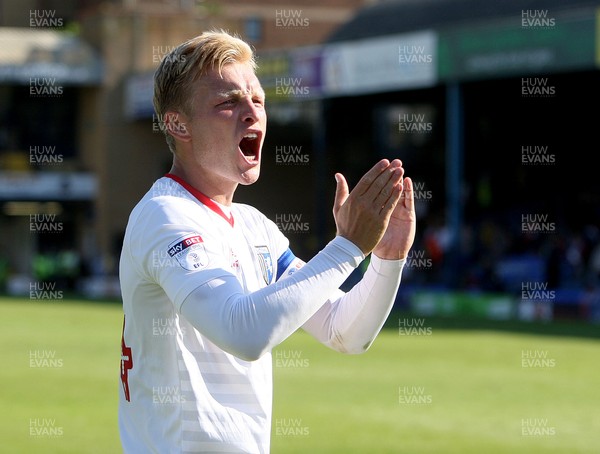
(400, 234)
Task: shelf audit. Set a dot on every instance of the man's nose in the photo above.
(250, 113)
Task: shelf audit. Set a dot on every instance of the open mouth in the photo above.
(250, 146)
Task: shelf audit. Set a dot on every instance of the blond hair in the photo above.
(181, 67)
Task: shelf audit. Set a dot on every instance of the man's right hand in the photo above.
(362, 215)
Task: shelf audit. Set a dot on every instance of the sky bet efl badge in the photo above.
(189, 251)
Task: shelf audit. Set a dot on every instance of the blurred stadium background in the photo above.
(492, 106)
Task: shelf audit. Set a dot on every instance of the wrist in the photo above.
(390, 253)
(386, 266)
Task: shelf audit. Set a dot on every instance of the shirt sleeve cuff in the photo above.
(386, 266)
(347, 247)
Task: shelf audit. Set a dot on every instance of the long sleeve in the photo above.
(349, 322)
(249, 325)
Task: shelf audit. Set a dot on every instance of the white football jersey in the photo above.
(180, 392)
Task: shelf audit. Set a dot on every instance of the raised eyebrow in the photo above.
(224, 94)
(236, 92)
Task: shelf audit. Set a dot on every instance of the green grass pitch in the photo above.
(443, 388)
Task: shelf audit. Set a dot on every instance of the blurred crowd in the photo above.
(492, 257)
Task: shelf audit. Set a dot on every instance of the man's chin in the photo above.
(250, 176)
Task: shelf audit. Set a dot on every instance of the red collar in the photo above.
(202, 198)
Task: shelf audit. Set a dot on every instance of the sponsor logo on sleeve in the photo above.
(189, 251)
(295, 266)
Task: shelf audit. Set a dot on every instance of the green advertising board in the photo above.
(471, 304)
(535, 42)
(598, 37)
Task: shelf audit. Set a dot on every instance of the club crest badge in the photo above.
(189, 251)
(266, 262)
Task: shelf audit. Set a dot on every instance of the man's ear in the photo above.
(176, 124)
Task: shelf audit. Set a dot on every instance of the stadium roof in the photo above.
(47, 53)
(399, 16)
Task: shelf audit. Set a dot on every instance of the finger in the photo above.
(381, 189)
(408, 194)
(368, 178)
(341, 192)
(391, 202)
